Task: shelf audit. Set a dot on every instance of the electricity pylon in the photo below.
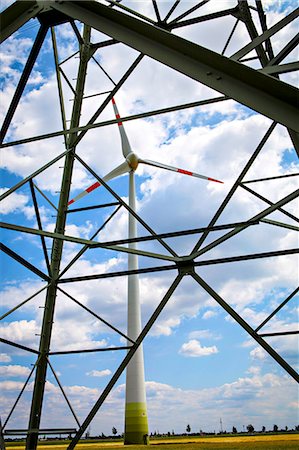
(259, 89)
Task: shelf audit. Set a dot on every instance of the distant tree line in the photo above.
(156, 434)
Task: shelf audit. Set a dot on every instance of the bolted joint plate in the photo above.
(185, 267)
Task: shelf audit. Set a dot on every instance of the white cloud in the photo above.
(238, 401)
(99, 373)
(254, 370)
(21, 331)
(209, 314)
(258, 354)
(167, 201)
(67, 334)
(4, 358)
(11, 385)
(14, 371)
(13, 203)
(169, 407)
(204, 334)
(194, 349)
(12, 290)
(165, 327)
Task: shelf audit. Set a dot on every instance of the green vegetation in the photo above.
(255, 442)
(254, 445)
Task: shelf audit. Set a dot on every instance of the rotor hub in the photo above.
(133, 160)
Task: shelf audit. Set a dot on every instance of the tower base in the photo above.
(136, 424)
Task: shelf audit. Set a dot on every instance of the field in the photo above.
(263, 442)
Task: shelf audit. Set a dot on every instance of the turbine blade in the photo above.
(176, 169)
(126, 148)
(120, 170)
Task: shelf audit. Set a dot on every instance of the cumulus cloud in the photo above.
(29, 287)
(4, 358)
(209, 314)
(67, 334)
(14, 203)
(14, 371)
(238, 401)
(165, 327)
(216, 140)
(194, 349)
(99, 373)
(204, 334)
(258, 353)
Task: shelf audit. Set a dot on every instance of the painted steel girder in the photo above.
(16, 15)
(260, 92)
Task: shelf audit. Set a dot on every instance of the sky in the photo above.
(200, 365)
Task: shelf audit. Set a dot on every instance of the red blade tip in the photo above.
(216, 181)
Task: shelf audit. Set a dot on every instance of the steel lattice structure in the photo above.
(258, 88)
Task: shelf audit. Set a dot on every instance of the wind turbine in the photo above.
(136, 422)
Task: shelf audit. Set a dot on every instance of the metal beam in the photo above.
(40, 37)
(204, 18)
(279, 333)
(290, 46)
(21, 347)
(246, 327)
(264, 199)
(178, 233)
(123, 203)
(41, 431)
(20, 395)
(64, 394)
(56, 255)
(34, 174)
(59, 82)
(203, 263)
(96, 315)
(92, 125)
(189, 11)
(245, 15)
(89, 350)
(282, 68)
(16, 15)
(23, 261)
(83, 249)
(44, 195)
(110, 96)
(280, 224)
(174, 6)
(262, 93)
(259, 216)
(266, 35)
(277, 309)
(2, 442)
(236, 184)
(63, 237)
(88, 208)
(276, 177)
(22, 303)
(125, 361)
(40, 227)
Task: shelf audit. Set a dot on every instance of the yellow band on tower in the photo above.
(136, 424)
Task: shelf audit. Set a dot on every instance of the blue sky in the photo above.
(199, 364)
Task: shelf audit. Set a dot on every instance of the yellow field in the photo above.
(287, 441)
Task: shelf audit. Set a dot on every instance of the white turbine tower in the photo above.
(136, 423)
